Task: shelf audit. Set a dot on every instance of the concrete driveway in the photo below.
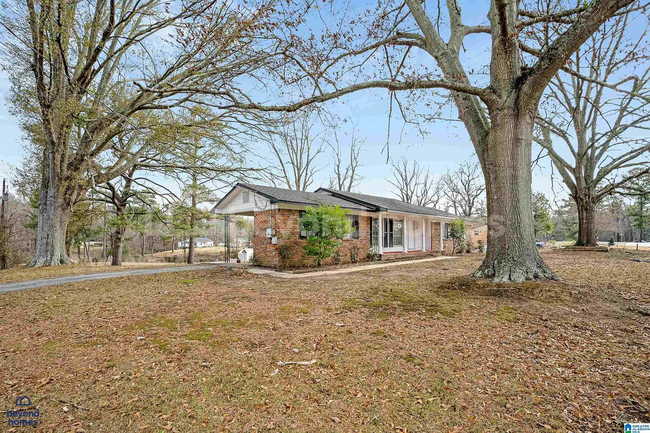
(26, 285)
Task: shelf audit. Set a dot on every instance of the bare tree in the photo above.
(414, 185)
(499, 115)
(99, 69)
(295, 146)
(346, 176)
(594, 133)
(464, 189)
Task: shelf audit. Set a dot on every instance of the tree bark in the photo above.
(586, 222)
(54, 210)
(117, 245)
(53, 217)
(190, 251)
(512, 255)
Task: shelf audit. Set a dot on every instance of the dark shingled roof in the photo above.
(281, 195)
(332, 197)
(384, 204)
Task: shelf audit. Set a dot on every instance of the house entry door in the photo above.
(411, 236)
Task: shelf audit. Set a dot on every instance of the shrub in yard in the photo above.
(457, 233)
(325, 227)
(354, 254)
(336, 257)
(284, 253)
(373, 253)
(481, 246)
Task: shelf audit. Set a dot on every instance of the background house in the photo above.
(198, 243)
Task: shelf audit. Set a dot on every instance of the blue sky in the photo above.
(444, 147)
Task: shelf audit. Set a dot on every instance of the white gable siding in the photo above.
(243, 200)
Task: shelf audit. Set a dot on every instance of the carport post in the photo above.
(226, 237)
(380, 242)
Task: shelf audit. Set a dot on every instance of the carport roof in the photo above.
(281, 195)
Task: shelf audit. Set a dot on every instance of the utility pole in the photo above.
(4, 236)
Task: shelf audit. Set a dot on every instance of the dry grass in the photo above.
(422, 348)
(23, 273)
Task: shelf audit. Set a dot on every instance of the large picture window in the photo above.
(393, 233)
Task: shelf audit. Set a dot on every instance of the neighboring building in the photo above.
(389, 227)
(477, 233)
(198, 243)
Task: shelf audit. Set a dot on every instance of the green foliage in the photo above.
(565, 221)
(457, 232)
(542, 215)
(640, 210)
(81, 224)
(326, 226)
(481, 245)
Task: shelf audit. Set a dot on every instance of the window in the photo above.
(475, 232)
(392, 233)
(445, 230)
(304, 234)
(374, 229)
(398, 230)
(355, 227)
(245, 196)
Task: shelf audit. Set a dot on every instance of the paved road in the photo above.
(26, 285)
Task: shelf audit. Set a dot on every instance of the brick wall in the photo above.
(447, 244)
(482, 235)
(287, 229)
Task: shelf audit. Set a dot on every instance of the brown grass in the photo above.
(23, 273)
(418, 347)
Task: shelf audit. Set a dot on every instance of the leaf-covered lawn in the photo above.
(418, 347)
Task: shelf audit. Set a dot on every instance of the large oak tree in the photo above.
(594, 122)
(499, 113)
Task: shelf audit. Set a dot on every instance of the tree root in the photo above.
(514, 272)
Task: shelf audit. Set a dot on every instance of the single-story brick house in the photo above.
(390, 227)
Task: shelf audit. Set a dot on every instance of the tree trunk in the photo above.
(54, 209)
(116, 246)
(190, 251)
(142, 245)
(103, 256)
(512, 255)
(586, 222)
(53, 217)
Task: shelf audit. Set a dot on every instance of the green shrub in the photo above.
(325, 226)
